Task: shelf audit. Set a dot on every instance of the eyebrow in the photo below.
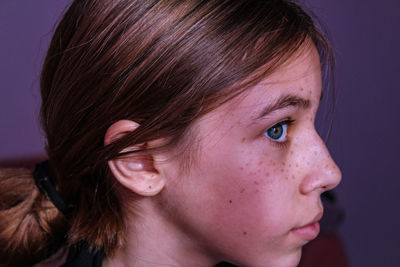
(283, 102)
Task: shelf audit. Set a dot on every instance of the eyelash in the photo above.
(280, 144)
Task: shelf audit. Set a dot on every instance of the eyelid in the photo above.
(286, 121)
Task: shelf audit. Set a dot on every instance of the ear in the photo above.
(135, 171)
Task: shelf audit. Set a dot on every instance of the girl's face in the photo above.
(252, 195)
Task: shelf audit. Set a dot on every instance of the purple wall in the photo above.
(365, 140)
(25, 31)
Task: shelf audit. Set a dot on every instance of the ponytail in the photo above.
(31, 227)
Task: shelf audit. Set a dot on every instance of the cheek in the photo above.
(255, 192)
(245, 189)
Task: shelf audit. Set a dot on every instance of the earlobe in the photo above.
(135, 171)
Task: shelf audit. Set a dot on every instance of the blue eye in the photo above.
(278, 132)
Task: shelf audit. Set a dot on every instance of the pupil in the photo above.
(276, 132)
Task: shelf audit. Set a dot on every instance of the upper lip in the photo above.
(316, 219)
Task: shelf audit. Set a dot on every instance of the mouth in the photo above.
(310, 230)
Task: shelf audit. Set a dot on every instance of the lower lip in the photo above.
(308, 232)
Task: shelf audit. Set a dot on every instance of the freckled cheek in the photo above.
(268, 179)
(253, 204)
(266, 170)
(252, 176)
(256, 181)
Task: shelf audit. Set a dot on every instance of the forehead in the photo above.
(303, 63)
(300, 76)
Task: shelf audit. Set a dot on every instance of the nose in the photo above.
(323, 174)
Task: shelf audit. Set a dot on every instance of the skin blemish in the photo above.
(293, 177)
(287, 177)
(297, 165)
(260, 163)
(243, 140)
(291, 152)
(230, 201)
(244, 233)
(282, 170)
(267, 174)
(241, 168)
(256, 183)
(149, 186)
(257, 191)
(302, 89)
(242, 190)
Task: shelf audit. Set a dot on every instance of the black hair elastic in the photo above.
(45, 185)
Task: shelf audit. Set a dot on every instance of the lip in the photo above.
(310, 230)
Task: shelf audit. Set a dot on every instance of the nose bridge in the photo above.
(323, 173)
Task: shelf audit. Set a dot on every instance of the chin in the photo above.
(291, 260)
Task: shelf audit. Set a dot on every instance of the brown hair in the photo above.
(162, 64)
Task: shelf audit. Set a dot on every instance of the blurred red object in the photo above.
(327, 250)
(28, 162)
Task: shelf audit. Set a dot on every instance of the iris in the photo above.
(278, 132)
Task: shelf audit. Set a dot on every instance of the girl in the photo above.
(179, 133)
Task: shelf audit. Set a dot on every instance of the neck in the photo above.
(153, 240)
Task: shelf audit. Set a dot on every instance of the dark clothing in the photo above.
(80, 255)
